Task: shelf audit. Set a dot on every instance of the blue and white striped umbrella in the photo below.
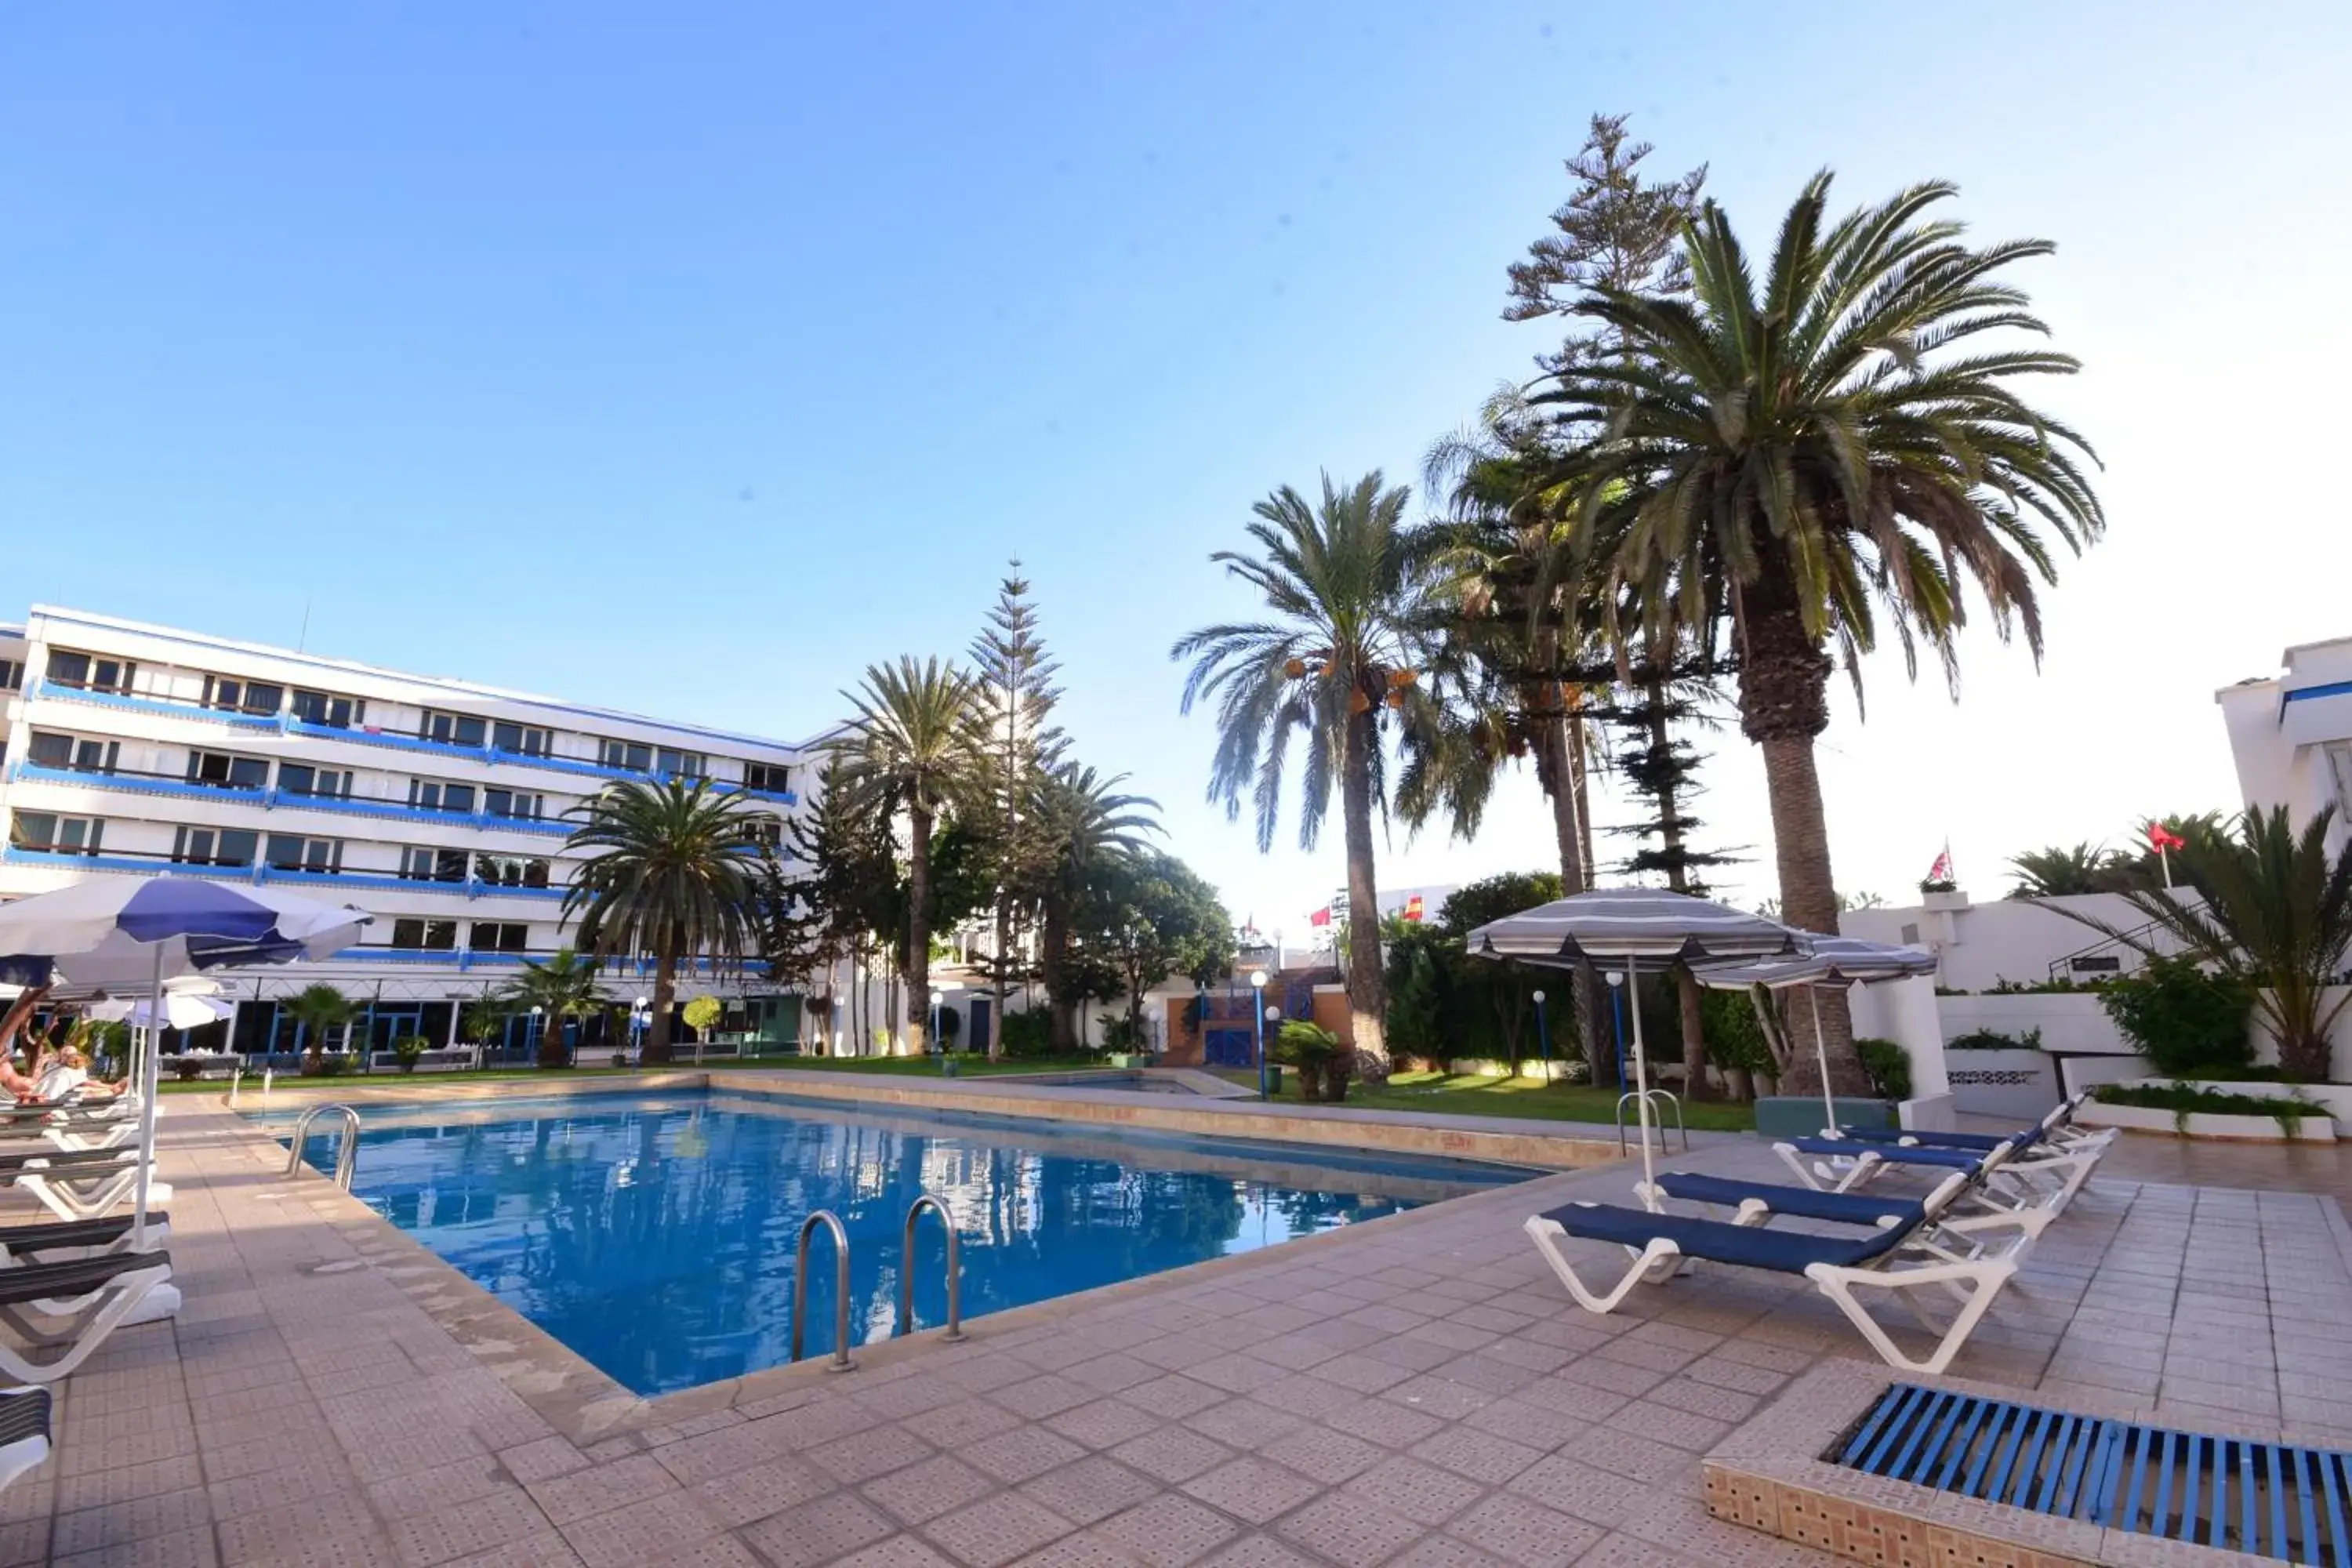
(1635, 928)
(1840, 961)
(118, 934)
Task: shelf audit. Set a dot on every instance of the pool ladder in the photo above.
(1650, 1098)
(347, 1149)
(833, 1227)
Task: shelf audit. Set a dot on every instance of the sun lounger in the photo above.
(1952, 1235)
(76, 1185)
(2057, 1131)
(2039, 1178)
(1838, 1266)
(43, 1346)
(24, 1431)
(77, 1238)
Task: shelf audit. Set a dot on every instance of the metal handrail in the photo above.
(841, 1361)
(347, 1151)
(906, 1270)
(1665, 1094)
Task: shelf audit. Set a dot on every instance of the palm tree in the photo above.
(670, 874)
(563, 987)
(1809, 445)
(915, 747)
(1084, 824)
(2276, 911)
(317, 1008)
(1343, 647)
(2065, 870)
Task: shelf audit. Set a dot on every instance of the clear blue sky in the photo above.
(688, 359)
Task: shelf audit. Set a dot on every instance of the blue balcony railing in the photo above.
(368, 736)
(291, 800)
(467, 959)
(152, 864)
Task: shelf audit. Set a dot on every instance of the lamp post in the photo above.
(1543, 1037)
(637, 1022)
(1258, 1022)
(1274, 1016)
(531, 1035)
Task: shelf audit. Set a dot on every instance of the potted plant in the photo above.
(408, 1048)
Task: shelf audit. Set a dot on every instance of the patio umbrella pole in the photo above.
(1822, 1058)
(147, 1081)
(1641, 1070)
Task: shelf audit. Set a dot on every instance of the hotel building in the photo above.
(435, 805)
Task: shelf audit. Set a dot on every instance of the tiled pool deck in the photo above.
(1416, 1391)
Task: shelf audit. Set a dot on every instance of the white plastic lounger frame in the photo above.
(1974, 1281)
(74, 1334)
(24, 1431)
(1953, 1237)
(74, 1196)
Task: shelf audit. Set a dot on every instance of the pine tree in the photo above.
(1016, 696)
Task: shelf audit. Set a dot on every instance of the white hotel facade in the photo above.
(435, 805)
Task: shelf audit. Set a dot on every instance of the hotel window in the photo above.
(214, 847)
(513, 803)
(432, 865)
(85, 673)
(328, 711)
(684, 764)
(432, 795)
(243, 695)
(765, 831)
(522, 739)
(2340, 759)
(452, 729)
(510, 871)
(633, 756)
(771, 778)
(58, 835)
(12, 675)
(222, 771)
(301, 778)
(500, 936)
(81, 756)
(426, 936)
(292, 852)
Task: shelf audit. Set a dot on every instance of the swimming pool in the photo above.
(654, 1235)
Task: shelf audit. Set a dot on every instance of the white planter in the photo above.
(2313, 1129)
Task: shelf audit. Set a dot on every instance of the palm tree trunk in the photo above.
(1783, 705)
(918, 957)
(1367, 986)
(664, 997)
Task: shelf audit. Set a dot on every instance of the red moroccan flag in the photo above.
(1321, 917)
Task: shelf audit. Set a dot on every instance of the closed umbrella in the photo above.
(1839, 961)
(101, 933)
(182, 1010)
(1635, 928)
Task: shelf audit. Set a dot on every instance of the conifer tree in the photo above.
(1016, 695)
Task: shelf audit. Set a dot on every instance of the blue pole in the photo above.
(1258, 1016)
(1543, 1036)
(1617, 1012)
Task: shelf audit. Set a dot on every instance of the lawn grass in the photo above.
(1462, 1094)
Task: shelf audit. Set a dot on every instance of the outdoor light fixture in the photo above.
(1543, 1036)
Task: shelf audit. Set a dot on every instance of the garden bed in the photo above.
(2220, 1111)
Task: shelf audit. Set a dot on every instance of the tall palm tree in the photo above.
(671, 873)
(1341, 651)
(915, 748)
(1826, 445)
(1084, 824)
(563, 987)
(2277, 909)
(315, 1009)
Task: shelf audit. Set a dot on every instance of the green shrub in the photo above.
(1029, 1033)
(1735, 1040)
(1889, 1066)
(187, 1069)
(1994, 1040)
(330, 1066)
(2186, 1100)
(2187, 1023)
(408, 1048)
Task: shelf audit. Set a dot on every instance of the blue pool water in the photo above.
(655, 1235)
